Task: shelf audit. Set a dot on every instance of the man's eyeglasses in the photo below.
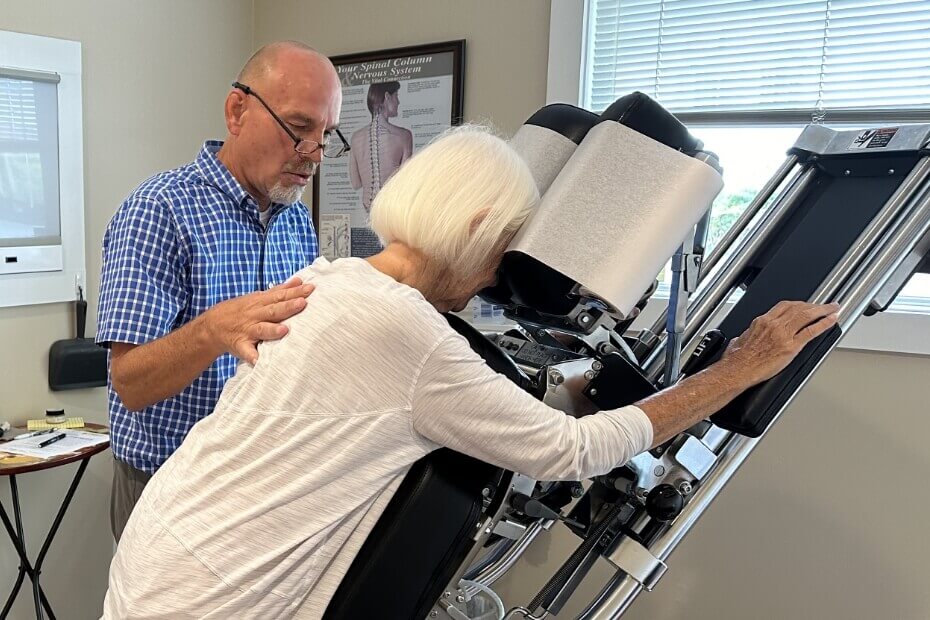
(305, 148)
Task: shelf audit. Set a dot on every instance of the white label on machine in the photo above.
(873, 138)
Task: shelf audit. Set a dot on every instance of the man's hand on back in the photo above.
(237, 325)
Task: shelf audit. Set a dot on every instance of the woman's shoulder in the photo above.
(374, 297)
(397, 130)
(359, 135)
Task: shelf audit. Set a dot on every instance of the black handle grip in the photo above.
(753, 411)
(80, 311)
(536, 509)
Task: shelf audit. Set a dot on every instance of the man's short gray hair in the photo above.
(457, 200)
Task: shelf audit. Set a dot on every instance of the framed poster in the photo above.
(393, 103)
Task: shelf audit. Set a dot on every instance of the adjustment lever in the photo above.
(708, 351)
(535, 508)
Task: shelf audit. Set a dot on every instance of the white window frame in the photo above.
(893, 331)
(45, 54)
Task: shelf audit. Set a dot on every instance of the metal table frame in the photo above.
(18, 538)
(15, 531)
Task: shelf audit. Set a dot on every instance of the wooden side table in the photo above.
(17, 535)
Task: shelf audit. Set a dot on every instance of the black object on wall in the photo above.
(77, 362)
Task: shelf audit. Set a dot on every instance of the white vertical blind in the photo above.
(757, 56)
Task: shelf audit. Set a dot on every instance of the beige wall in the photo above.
(506, 42)
(154, 78)
(809, 529)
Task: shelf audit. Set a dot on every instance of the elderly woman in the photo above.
(262, 509)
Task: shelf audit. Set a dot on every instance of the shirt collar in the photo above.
(218, 175)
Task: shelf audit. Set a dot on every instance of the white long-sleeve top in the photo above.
(262, 509)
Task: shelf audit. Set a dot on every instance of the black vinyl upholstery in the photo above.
(567, 120)
(642, 114)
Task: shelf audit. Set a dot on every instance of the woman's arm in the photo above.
(461, 403)
(407, 145)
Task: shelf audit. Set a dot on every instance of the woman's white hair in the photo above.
(457, 200)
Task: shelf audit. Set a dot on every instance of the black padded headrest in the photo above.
(640, 113)
(570, 121)
(524, 281)
(545, 285)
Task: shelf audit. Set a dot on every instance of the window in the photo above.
(29, 205)
(747, 75)
(41, 170)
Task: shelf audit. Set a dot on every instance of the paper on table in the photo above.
(41, 425)
(73, 441)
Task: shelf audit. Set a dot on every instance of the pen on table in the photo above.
(51, 440)
(33, 434)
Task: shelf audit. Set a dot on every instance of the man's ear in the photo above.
(233, 110)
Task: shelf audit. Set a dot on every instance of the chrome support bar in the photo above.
(497, 570)
(751, 210)
(855, 296)
(636, 561)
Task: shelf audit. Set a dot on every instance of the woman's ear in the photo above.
(476, 221)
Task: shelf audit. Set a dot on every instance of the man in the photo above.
(185, 254)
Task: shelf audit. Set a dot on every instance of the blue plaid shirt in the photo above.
(182, 242)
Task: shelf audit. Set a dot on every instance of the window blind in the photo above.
(18, 110)
(29, 170)
(794, 60)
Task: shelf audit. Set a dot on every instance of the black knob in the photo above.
(664, 503)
